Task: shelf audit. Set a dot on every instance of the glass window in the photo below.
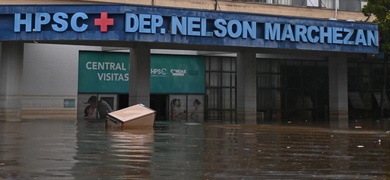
(215, 79)
(227, 65)
(367, 101)
(293, 81)
(275, 66)
(329, 4)
(227, 114)
(377, 83)
(213, 98)
(284, 2)
(263, 66)
(268, 81)
(353, 84)
(207, 76)
(227, 98)
(365, 83)
(350, 5)
(299, 2)
(294, 99)
(233, 98)
(364, 69)
(262, 80)
(227, 79)
(233, 80)
(352, 69)
(268, 99)
(214, 64)
(377, 70)
(220, 88)
(212, 115)
(293, 89)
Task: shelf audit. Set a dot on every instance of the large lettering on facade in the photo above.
(315, 34)
(133, 23)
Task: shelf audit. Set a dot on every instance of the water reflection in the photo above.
(297, 153)
(42, 150)
(103, 154)
(86, 150)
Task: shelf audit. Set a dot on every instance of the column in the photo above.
(338, 91)
(11, 69)
(139, 84)
(246, 87)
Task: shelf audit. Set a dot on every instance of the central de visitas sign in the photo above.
(136, 23)
(109, 73)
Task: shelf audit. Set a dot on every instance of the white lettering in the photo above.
(112, 66)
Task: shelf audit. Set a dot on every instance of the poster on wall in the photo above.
(195, 108)
(95, 106)
(177, 108)
(188, 108)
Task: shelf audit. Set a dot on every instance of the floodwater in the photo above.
(44, 149)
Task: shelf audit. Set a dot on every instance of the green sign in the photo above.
(177, 74)
(107, 72)
(103, 72)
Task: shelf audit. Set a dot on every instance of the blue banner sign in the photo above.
(169, 25)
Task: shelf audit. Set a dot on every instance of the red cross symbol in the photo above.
(104, 22)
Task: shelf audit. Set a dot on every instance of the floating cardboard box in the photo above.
(134, 116)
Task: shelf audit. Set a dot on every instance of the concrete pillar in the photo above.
(139, 87)
(11, 69)
(338, 91)
(246, 87)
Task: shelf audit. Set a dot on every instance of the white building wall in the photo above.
(50, 75)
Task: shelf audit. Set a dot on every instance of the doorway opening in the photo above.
(123, 101)
(159, 103)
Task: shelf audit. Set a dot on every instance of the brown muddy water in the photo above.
(44, 149)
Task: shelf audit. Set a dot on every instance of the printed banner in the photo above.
(103, 72)
(177, 74)
(107, 72)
